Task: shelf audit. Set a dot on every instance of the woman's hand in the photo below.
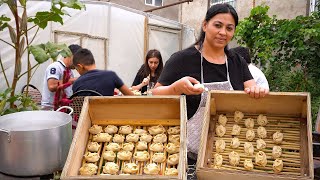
(256, 91)
(146, 80)
(185, 86)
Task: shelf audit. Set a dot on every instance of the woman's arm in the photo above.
(251, 88)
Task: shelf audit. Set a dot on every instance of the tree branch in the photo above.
(7, 43)
(4, 73)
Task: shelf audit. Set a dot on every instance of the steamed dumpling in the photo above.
(217, 161)
(262, 120)
(110, 168)
(141, 156)
(276, 152)
(153, 130)
(277, 137)
(172, 148)
(125, 129)
(248, 148)
(141, 145)
(277, 165)
(158, 157)
(238, 116)
(160, 138)
(111, 129)
(128, 146)
(249, 123)
(247, 164)
(261, 144)
(93, 146)
(171, 172)
(151, 169)
(220, 130)
(95, 129)
(124, 155)
(118, 138)
(140, 131)
(222, 120)
(132, 137)
(236, 130)
(220, 145)
(262, 132)
(235, 143)
(109, 155)
(234, 158)
(102, 137)
(250, 135)
(146, 137)
(261, 159)
(156, 147)
(91, 157)
(174, 130)
(173, 159)
(130, 168)
(113, 147)
(174, 138)
(88, 169)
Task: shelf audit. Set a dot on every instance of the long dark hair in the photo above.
(145, 69)
(214, 10)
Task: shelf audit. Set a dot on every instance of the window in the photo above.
(231, 2)
(154, 2)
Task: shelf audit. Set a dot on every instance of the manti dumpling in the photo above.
(141, 145)
(220, 130)
(141, 156)
(124, 155)
(236, 129)
(277, 165)
(276, 152)
(88, 169)
(128, 146)
(95, 129)
(248, 148)
(262, 132)
(132, 137)
(118, 138)
(217, 161)
(277, 137)
(130, 168)
(125, 129)
(262, 120)
(249, 123)
(222, 120)
(247, 164)
(174, 130)
(153, 130)
(151, 169)
(220, 145)
(261, 159)
(261, 144)
(238, 116)
(140, 131)
(111, 129)
(234, 158)
(146, 138)
(174, 138)
(235, 143)
(109, 155)
(171, 172)
(91, 157)
(172, 148)
(110, 168)
(250, 135)
(173, 159)
(156, 147)
(102, 137)
(160, 138)
(93, 146)
(158, 157)
(113, 147)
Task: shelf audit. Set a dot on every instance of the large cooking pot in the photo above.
(34, 143)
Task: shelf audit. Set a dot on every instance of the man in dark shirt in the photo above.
(101, 81)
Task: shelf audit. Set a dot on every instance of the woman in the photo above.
(149, 71)
(210, 63)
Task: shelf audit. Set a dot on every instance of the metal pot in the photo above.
(34, 143)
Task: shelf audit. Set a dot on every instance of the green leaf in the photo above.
(39, 53)
(42, 18)
(3, 22)
(23, 2)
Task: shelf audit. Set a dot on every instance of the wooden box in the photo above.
(135, 111)
(286, 112)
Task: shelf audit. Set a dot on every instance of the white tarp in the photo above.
(114, 34)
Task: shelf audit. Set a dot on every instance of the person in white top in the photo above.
(256, 73)
(53, 78)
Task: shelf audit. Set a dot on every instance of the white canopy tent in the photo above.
(118, 37)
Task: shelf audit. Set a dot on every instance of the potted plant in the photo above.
(22, 44)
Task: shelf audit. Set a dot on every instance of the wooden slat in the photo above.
(138, 122)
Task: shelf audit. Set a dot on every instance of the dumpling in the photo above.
(93, 146)
(247, 164)
(249, 123)
(174, 138)
(262, 120)
(151, 169)
(250, 135)
(88, 169)
(222, 120)
(132, 137)
(171, 172)
(124, 155)
(235, 143)
(153, 130)
(109, 155)
(140, 131)
(160, 138)
(91, 157)
(238, 116)
(172, 148)
(220, 145)
(276, 152)
(110, 168)
(174, 130)
(220, 130)
(113, 147)
(141, 145)
(234, 158)
(277, 165)
(156, 147)
(217, 161)
(262, 132)
(261, 159)
(95, 129)
(102, 137)
(125, 129)
(111, 129)
(118, 138)
(173, 159)
(141, 156)
(128, 146)
(130, 168)
(248, 148)
(146, 137)
(261, 144)
(236, 130)
(158, 157)
(277, 137)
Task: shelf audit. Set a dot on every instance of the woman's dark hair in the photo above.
(145, 69)
(214, 10)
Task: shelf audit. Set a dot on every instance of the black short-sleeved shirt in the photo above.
(101, 81)
(187, 63)
(139, 78)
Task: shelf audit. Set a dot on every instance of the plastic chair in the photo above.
(33, 92)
